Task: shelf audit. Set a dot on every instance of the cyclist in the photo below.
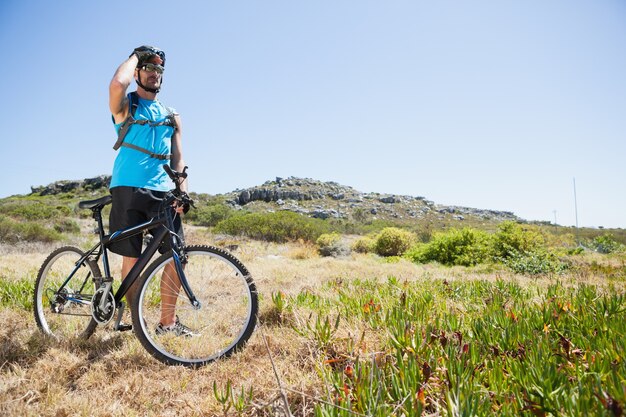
(149, 135)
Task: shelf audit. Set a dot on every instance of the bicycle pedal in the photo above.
(124, 327)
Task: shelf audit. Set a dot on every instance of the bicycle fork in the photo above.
(183, 279)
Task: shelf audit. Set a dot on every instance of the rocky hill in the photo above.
(332, 200)
(317, 199)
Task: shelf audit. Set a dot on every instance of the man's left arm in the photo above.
(177, 162)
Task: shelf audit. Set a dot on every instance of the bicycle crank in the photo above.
(103, 312)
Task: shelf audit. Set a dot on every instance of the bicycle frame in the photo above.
(164, 226)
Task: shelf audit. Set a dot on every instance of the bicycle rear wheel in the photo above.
(222, 324)
(64, 311)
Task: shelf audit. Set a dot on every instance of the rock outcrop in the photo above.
(322, 200)
(88, 184)
(331, 200)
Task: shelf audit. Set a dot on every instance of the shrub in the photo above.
(524, 250)
(364, 244)
(465, 247)
(34, 210)
(512, 239)
(209, 215)
(278, 227)
(329, 244)
(12, 231)
(606, 244)
(393, 241)
(67, 226)
(534, 263)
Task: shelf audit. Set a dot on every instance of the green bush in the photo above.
(364, 244)
(28, 210)
(329, 244)
(282, 226)
(534, 263)
(465, 247)
(512, 239)
(12, 231)
(67, 226)
(209, 215)
(392, 241)
(606, 244)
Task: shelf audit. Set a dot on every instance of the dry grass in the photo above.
(111, 374)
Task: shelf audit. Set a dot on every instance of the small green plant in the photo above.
(322, 331)
(223, 396)
(576, 251)
(228, 399)
(393, 241)
(280, 301)
(241, 401)
(280, 312)
(17, 293)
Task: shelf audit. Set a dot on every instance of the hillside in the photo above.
(54, 206)
(312, 198)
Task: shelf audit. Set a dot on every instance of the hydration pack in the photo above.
(133, 103)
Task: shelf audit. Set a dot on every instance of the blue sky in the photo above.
(487, 104)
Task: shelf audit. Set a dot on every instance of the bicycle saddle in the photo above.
(95, 204)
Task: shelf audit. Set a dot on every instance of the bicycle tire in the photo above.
(72, 318)
(221, 326)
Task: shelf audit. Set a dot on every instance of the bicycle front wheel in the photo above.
(222, 323)
(63, 293)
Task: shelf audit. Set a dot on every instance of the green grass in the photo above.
(466, 348)
(17, 294)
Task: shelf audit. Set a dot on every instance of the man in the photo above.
(149, 135)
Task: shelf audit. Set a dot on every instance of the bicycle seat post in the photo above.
(96, 207)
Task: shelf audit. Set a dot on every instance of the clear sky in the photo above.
(489, 104)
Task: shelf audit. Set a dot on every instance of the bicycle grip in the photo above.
(169, 172)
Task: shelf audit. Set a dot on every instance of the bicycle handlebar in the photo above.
(177, 178)
(175, 175)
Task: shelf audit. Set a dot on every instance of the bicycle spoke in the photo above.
(224, 320)
(63, 292)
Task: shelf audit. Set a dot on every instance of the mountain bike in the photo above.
(212, 293)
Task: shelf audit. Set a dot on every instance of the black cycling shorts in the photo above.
(130, 207)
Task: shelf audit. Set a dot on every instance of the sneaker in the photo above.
(177, 329)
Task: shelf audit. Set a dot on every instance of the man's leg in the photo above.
(170, 287)
(127, 263)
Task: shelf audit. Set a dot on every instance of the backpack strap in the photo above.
(144, 150)
(133, 103)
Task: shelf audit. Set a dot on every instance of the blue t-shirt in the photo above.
(133, 168)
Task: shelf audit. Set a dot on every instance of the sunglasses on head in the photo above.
(153, 67)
